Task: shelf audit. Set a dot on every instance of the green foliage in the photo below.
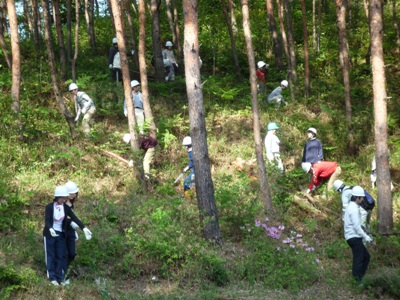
(12, 280)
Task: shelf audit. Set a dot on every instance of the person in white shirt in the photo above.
(272, 145)
(168, 54)
(354, 234)
(83, 105)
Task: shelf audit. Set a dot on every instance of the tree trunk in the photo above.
(89, 9)
(314, 25)
(305, 46)
(16, 64)
(233, 17)
(319, 25)
(275, 37)
(292, 53)
(232, 38)
(69, 30)
(53, 70)
(28, 17)
(75, 58)
(170, 19)
(264, 187)
(111, 14)
(345, 64)
(396, 25)
(155, 36)
(132, 34)
(3, 43)
(204, 185)
(177, 31)
(60, 37)
(385, 209)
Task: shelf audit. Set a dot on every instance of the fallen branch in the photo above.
(109, 153)
(304, 205)
(320, 206)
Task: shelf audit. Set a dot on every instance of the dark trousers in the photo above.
(116, 75)
(361, 257)
(71, 245)
(56, 256)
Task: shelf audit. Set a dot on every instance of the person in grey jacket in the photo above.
(83, 105)
(137, 104)
(354, 234)
(276, 94)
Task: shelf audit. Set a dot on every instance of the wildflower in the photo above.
(266, 219)
(309, 249)
(278, 248)
(281, 227)
(317, 260)
(292, 246)
(258, 223)
(154, 278)
(299, 235)
(297, 252)
(304, 245)
(298, 241)
(286, 241)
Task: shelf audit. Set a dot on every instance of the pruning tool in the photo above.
(179, 177)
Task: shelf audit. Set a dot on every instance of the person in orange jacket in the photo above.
(324, 170)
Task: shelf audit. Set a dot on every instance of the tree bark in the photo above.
(89, 9)
(396, 25)
(76, 41)
(305, 47)
(170, 19)
(53, 70)
(204, 185)
(275, 37)
(264, 187)
(132, 34)
(232, 39)
(60, 37)
(3, 43)
(155, 37)
(292, 53)
(69, 30)
(177, 31)
(385, 209)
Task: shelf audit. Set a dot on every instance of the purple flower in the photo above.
(305, 245)
(309, 249)
(286, 241)
(299, 235)
(299, 241)
(258, 223)
(317, 260)
(266, 219)
(281, 227)
(292, 246)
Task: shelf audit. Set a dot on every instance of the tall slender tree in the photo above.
(344, 59)
(132, 33)
(155, 37)
(396, 24)
(60, 38)
(275, 36)
(204, 184)
(385, 209)
(264, 187)
(3, 43)
(292, 53)
(89, 15)
(305, 47)
(76, 41)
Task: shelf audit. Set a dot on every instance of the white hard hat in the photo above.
(114, 40)
(61, 191)
(284, 83)
(72, 87)
(187, 140)
(337, 184)
(168, 44)
(261, 64)
(358, 191)
(134, 83)
(71, 187)
(127, 137)
(313, 130)
(306, 166)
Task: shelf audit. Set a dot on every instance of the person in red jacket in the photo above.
(324, 170)
(261, 72)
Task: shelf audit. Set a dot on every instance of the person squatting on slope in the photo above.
(187, 142)
(355, 235)
(313, 151)
(54, 235)
(276, 94)
(83, 105)
(137, 104)
(366, 206)
(261, 73)
(272, 145)
(324, 170)
(168, 54)
(148, 145)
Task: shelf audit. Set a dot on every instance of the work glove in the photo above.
(185, 169)
(74, 226)
(88, 233)
(76, 119)
(125, 113)
(53, 232)
(368, 239)
(308, 191)
(110, 66)
(130, 163)
(76, 236)
(133, 52)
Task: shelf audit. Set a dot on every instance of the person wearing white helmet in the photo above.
(312, 151)
(272, 145)
(261, 73)
(187, 183)
(148, 145)
(323, 171)
(169, 70)
(276, 94)
(167, 53)
(137, 104)
(366, 206)
(83, 105)
(114, 61)
(355, 235)
(54, 233)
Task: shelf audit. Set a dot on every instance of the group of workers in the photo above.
(60, 233)
(276, 95)
(357, 204)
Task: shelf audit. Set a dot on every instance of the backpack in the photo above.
(369, 202)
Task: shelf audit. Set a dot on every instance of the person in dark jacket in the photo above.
(114, 61)
(312, 152)
(54, 233)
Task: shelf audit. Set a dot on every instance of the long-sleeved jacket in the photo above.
(83, 103)
(146, 142)
(261, 75)
(191, 164)
(275, 92)
(49, 219)
(313, 152)
(137, 101)
(271, 145)
(169, 54)
(111, 54)
(321, 170)
(352, 222)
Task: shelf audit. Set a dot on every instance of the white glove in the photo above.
(266, 66)
(133, 52)
(76, 236)
(110, 66)
(88, 233)
(308, 191)
(130, 163)
(53, 232)
(185, 169)
(177, 65)
(76, 119)
(368, 239)
(125, 113)
(74, 226)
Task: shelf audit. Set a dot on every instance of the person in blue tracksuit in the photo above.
(187, 142)
(312, 152)
(54, 235)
